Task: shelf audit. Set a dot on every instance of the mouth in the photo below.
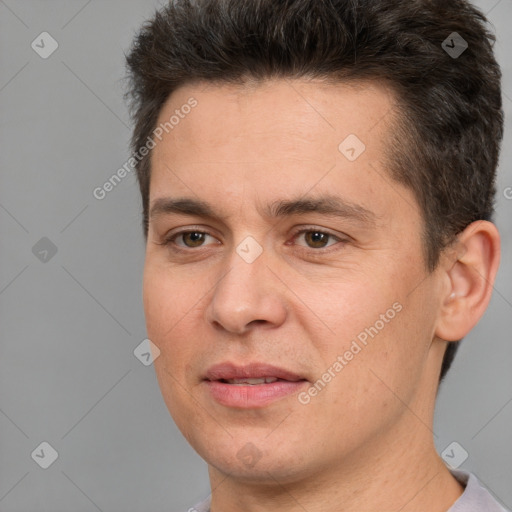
(251, 381)
(253, 385)
(252, 373)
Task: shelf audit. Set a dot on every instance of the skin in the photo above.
(365, 442)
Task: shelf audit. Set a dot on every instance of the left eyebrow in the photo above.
(326, 205)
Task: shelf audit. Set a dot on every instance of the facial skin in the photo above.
(364, 442)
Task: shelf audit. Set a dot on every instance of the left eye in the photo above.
(317, 238)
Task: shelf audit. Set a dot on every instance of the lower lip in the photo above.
(252, 396)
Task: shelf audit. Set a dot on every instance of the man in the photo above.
(317, 182)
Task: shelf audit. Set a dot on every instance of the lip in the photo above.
(250, 396)
(255, 370)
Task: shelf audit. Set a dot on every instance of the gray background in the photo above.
(69, 325)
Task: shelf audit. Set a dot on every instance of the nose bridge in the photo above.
(247, 291)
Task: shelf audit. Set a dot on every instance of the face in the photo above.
(309, 260)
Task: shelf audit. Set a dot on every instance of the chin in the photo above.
(257, 461)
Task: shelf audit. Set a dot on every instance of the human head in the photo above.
(447, 140)
(249, 142)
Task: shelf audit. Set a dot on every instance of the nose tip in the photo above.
(246, 297)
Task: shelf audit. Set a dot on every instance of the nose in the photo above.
(247, 294)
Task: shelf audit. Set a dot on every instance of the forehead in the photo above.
(287, 118)
(276, 140)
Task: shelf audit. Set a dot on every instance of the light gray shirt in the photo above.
(475, 498)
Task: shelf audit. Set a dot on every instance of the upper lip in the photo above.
(255, 370)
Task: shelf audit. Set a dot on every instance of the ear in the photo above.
(469, 276)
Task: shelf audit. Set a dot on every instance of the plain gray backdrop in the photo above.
(70, 284)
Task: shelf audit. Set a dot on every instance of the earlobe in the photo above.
(470, 278)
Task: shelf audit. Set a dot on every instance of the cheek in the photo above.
(155, 298)
(167, 298)
(166, 325)
(348, 310)
(371, 329)
(394, 354)
(165, 309)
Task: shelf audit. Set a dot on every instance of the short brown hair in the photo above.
(447, 144)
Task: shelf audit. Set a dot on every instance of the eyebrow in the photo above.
(325, 205)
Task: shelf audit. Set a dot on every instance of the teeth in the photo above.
(262, 380)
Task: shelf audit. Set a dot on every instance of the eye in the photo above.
(316, 238)
(191, 239)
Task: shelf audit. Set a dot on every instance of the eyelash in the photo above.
(170, 240)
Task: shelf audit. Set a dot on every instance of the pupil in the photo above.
(195, 236)
(317, 237)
